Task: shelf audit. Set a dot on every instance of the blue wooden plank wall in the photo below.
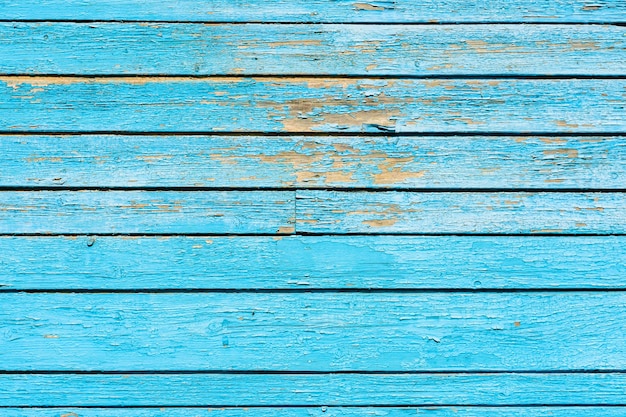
(312, 208)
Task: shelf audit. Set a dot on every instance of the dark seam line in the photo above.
(243, 234)
(325, 22)
(327, 405)
(384, 134)
(421, 190)
(307, 290)
(328, 373)
(327, 76)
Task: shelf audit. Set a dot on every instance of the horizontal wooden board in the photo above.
(191, 49)
(146, 212)
(314, 104)
(369, 162)
(319, 10)
(316, 262)
(314, 390)
(320, 412)
(313, 331)
(507, 212)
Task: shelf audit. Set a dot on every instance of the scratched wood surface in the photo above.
(312, 208)
(380, 11)
(312, 262)
(146, 212)
(123, 48)
(321, 332)
(506, 162)
(314, 390)
(269, 104)
(322, 411)
(330, 212)
(504, 212)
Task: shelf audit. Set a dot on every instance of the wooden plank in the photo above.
(368, 162)
(319, 10)
(316, 262)
(191, 49)
(313, 390)
(304, 105)
(145, 212)
(506, 212)
(393, 332)
(319, 412)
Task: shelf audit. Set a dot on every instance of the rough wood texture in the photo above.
(320, 412)
(303, 105)
(314, 390)
(370, 162)
(509, 212)
(146, 212)
(142, 117)
(314, 332)
(124, 48)
(424, 11)
(316, 262)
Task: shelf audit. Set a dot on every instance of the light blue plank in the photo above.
(384, 262)
(321, 412)
(303, 105)
(114, 48)
(146, 212)
(314, 390)
(313, 332)
(508, 212)
(319, 10)
(256, 161)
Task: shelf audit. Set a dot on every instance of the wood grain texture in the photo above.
(304, 105)
(392, 332)
(320, 412)
(368, 162)
(320, 10)
(316, 262)
(191, 49)
(314, 390)
(146, 212)
(509, 212)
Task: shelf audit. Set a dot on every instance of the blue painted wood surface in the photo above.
(322, 332)
(197, 212)
(312, 262)
(314, 390)
(123, 48)
(322, 411)
(505, 162)
(379, 11)
(267, 104)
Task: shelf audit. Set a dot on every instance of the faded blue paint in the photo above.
(301, 105)
(322, 411)
(301, 161)
(414, 323)
(323, 332)
(313, 262)
(314, 390)
(381, 11)
(115, 48)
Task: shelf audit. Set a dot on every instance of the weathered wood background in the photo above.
(312, 208)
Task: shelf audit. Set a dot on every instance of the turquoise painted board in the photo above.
(266, 104)
(312, 263)
(191, 49)
(317, 390)
(320, 332)
(380, 11)
(312, 208)
(505, 162)
(322, 411)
